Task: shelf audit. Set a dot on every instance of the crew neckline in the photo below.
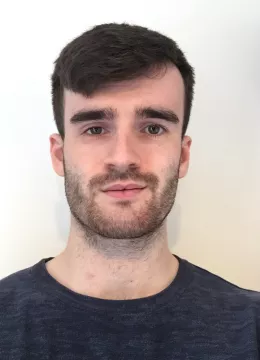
(48, 284)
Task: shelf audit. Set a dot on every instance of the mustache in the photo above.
(115, 175)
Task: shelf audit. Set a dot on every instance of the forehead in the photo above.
(163, 89)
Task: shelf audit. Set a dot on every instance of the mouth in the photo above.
(124, 193)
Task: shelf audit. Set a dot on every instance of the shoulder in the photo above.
(223, 293)
(16, 281)
(16, 289)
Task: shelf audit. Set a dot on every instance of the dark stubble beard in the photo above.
(118, 235)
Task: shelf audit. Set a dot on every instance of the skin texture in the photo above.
(118, 248)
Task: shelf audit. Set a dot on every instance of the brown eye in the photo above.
(95, 130)
(154, 129)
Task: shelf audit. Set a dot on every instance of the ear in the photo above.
(56, 150)
(185, 156)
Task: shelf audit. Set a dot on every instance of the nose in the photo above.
(123, 152)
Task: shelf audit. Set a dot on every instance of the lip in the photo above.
(129, 186)
(124, 194)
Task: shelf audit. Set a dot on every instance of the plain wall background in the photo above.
(216, 219)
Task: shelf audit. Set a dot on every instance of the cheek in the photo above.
(81, 158)
(166, 160)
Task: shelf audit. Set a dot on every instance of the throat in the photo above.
(114, 281)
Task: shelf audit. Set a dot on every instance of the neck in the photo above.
(127, 272)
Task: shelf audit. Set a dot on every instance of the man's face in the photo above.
(126, 133)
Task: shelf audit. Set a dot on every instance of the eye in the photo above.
(95, 130)
(154, 129)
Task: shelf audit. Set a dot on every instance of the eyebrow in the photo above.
(158, 113)
(94, 114)
(110, 114)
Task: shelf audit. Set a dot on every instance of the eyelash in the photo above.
(156, 135)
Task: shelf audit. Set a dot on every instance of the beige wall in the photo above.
(216, 220)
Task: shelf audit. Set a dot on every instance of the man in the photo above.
(117, 291)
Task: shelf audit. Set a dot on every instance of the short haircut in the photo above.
(110, 53)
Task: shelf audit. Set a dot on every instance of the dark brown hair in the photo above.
(110, 53)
